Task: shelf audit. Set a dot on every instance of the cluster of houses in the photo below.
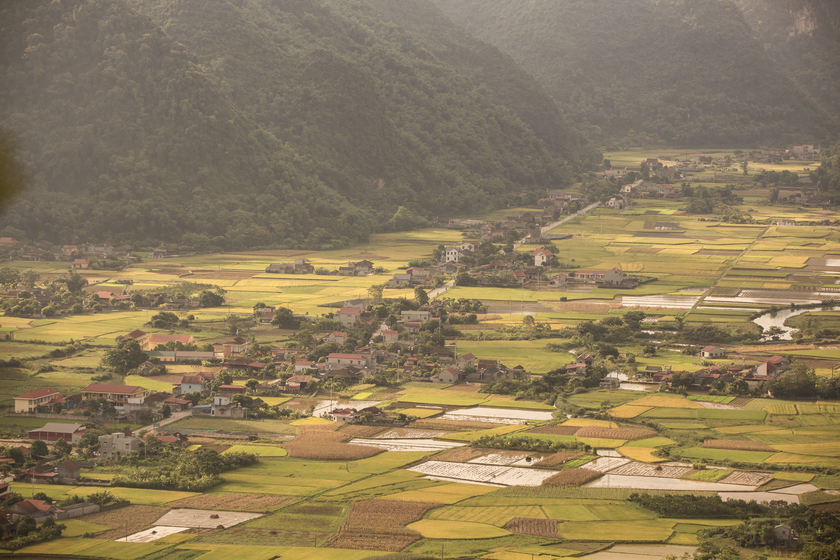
(766, 370)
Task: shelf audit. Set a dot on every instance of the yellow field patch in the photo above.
(432, 529)
(791, 458)
(643, 454)
(311, 421)
(444, 493)
(586, 422)
(666, 402)
(629, 411)
(825, 449)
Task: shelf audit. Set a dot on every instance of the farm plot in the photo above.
(424, 445)
(196, 518)
(614, 433)
(605, 464)
(406, 433)
(450, 493)
(572, 476)
(737, 444)
(487, 474)
(724, 454)
(315, 443)
(672, 484)
(643, 469)
(497, 415)
(534, 526)
(747, 478)
(494, 515)
(628, 411)
(647, 530)
(432, 529)
(380, 525)
(233, 502)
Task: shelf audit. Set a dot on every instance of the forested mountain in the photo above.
(243, 123)
(803, 36)
(681, 72)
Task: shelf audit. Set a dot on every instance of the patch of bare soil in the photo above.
(126, 521)
(462, 454)
(380, 525)
(256, 503)
(556, 459)
(350, 431)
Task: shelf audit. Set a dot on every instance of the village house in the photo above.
(344, 415)
(237, 345)
(772, 367)
(31, 399)
(297, 383)
(577, 370)
(448, 375)
(390, 337)
(117, 394)
(337, 360)
(466, 360)
(118, 443)
(420, 315)
(615, 173)
(80, 264)
(224, 408)
(192, 384)
(558, 281)
(452, 254)
(54, 431)
(712, 352)
(349, 316)
(38, 510)
(68, 471)
(336, 337)
(542, 256)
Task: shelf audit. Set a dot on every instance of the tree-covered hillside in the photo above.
(246, 123)
(803, 36)
(680, 72)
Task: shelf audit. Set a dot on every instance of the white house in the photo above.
(452, 254)
(335, 360)
(349, 316)
(420, 315)
(542, 256)
(712, 352)
(449, 375)
(28, 401)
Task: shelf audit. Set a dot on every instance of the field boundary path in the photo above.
(559, 222)
(439, 291)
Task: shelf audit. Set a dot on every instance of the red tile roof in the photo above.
(104, 388)
(43, 392)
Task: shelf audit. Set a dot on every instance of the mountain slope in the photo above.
(127, 140)
(251, 123)
(349, 88)
(674, 71)
(803, 36)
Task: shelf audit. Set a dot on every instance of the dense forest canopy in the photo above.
(675, 72)
(255, 123)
